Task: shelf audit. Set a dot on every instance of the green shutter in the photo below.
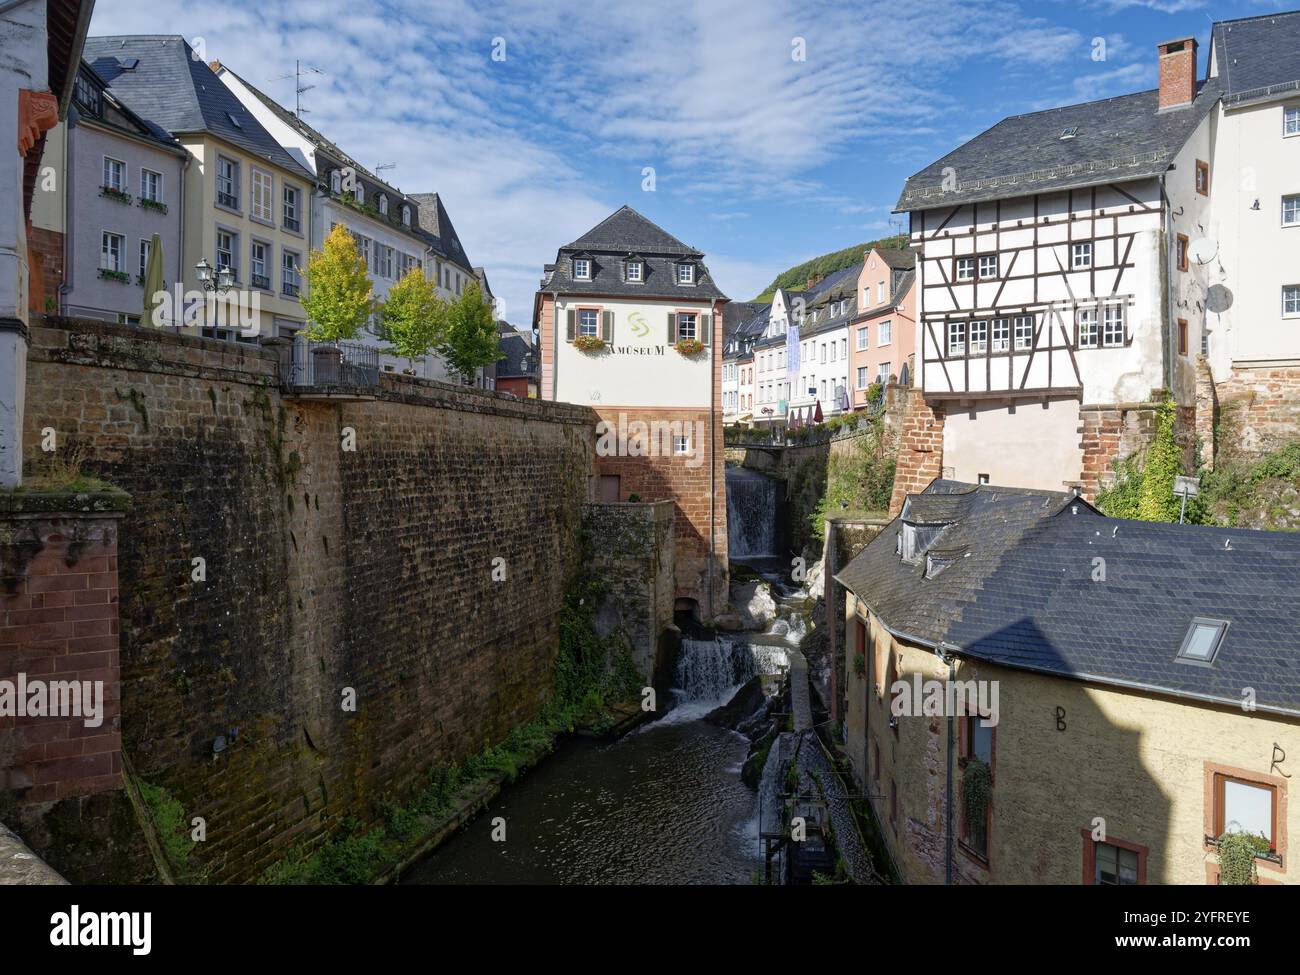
(573, 324)
(672, 328)
(705, 322)
(607, 326)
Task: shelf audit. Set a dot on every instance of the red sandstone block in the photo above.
(93, 611)
(88, 644)
(92, 564)
(78, 767)
(66, 748)
(39, 632)
(101, 580)
(52, 600)
(104, 660)
(93, 627)
(110, 742)
(41, 793)
(56, 583)
(90, 596)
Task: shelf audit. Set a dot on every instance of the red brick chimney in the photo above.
(1177, 72)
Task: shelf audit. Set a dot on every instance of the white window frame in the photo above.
(862, 377)
(635, 271)
(117, 168)
(1294, 200)
(1293, 299)
(1000, 335)
(964, 264)
(1112, 328)
(987, 275)
(956, 339)
(406, 215)
(145, 181)
(978, 338)
(885, 332)
(146, 244)
(233, 250)
(1089, 334)
(110, 258)
(685, 273)
(230, 178)
(1081, 256)
(1290, 121)
(863, 338)
(591, 328)
(581, 269)
(253, 262)
(336, 181)
(261, 196)
(1023, 326)
(882, 373)
(290, 270)
(291, 223)
(681, 445)
(685, 319)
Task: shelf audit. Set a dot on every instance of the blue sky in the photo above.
(760, 160)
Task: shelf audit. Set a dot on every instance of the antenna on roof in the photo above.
(298, 86)
(379, 169)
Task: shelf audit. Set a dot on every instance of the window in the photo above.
(257, 255)
(146, 244)
(1202, 642)
(227, 250)
(634, 270)
(862, 377)
(263, 194)
(1112, 864)
(833, 356)
(685, 273)
(291, 218)
(862, 337)
(1112, 333)
(383, 205)
(882, 373)
(227, 183)
(1202, 178)
(1087, 328)
(1180, 252)
(988, 266)
(336, 181)
(110, 251)
(686, 325)
(114, 174)
(1024, 331)
(582, 269)
(289, 282)
(1081, 256)
(956, 338)
(385, 260)
(361, 193)
(884, 333)
(1001, 334)
(406, 216)
(588, 321)
(681, 445)
(965, 269)
(1290, 300)
(1182, 336)
(844, 348)
(1291, 211)
(1291, 120)
(150, 185)
(977, 742)
(87, 95)
(1244, 806)
(880, 291)
(979, 336)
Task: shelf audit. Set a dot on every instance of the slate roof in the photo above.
(1024, 597)
(180, 94)
(1257, 53)
(515, 346)
(436, 227)
(130, 121)
(1118, 139)
(626, 233)
(899, 260)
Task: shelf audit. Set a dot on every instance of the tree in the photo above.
(413, 318)
(470, 337)
(339, 298)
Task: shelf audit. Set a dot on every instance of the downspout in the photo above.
(180, 244)
(948, 798)
(1166, 304)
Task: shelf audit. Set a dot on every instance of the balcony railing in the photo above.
(328, 366)
(261, 281)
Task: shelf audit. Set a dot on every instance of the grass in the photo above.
(63, 472)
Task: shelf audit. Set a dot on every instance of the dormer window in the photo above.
(336, 182)
(383, 205)
(361, 193)
(634, 271)
(1202, 642)
(406, 215)
(581, 269)
(685, 273)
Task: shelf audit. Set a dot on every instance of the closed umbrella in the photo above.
(153, 282)
(817, 414)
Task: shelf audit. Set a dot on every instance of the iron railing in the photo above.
(306, 364)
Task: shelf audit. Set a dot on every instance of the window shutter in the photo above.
(573, 324)
(607, 326)
(705, 322)
(672, 328)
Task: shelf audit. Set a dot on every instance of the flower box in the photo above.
(111, 275)
(157, 205)
(689, 347)
(118, 195)
(589, 343)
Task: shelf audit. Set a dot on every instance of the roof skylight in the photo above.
(1202, 642)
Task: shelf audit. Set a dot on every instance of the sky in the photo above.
(760, 132)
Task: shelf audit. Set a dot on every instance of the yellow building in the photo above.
(1121, 693)
(247, 202)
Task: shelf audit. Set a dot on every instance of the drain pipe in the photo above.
(943, 651)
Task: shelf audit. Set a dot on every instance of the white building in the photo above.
(822, 376)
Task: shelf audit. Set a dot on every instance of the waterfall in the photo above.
(751, 513)
(709, 672)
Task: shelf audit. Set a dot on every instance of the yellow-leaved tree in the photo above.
(339, 298)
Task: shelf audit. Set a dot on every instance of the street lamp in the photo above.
(223, 280)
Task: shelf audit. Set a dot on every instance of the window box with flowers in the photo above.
(110, 275)
(157, 205)
(589, 343)
(689, 347)
(115, 194)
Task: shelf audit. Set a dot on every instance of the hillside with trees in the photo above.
(797, 276)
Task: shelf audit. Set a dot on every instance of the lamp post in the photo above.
(221, 281)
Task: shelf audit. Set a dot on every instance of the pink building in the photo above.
(882, 335)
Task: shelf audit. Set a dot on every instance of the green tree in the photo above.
(339, 298)
(412, 318)
(470, 337)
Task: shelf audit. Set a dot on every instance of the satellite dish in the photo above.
(1218, 299)
(1203, 250)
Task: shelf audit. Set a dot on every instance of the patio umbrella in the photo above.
(817, 414)
(153, 281)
